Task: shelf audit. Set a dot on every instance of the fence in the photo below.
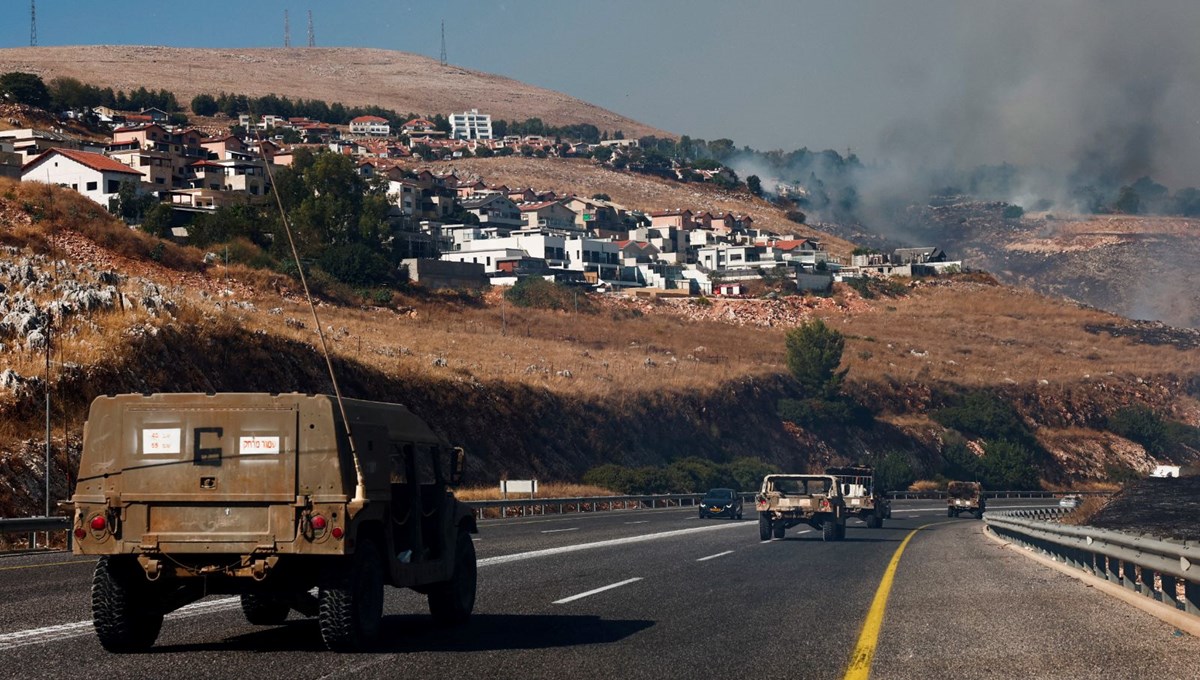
(1166, 571)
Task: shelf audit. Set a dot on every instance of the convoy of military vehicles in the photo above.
(312, 504)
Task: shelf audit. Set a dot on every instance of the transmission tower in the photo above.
(443, 57)
(33, 23)
(312, 39)
(287, 30)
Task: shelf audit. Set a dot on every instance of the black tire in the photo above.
(764, 528)
(265, 610)
(841, 532)
(451, 602)
(949, 512)
(350, 602)
(739, 515)
(872, 521)
(777, 529)
(126, 617)
(979, 514)
(829, 530)
(701, 514)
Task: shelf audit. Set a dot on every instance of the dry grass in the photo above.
(923, 485)
(1088, 508)
(545, 490)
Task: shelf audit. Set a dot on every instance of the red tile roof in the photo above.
(368, 119)
(531, 207)
(94, 161)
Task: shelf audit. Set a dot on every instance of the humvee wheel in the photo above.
(739, 514)
(764, 528)
(829, 530)
(265, 610)
(949, 512)
(125, 615)
(778, 529)
(872, 521)
(841, 532)
(350, 602)
(451, 602)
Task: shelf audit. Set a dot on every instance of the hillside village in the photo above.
(454, 231)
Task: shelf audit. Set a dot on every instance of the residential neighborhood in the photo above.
(479, 233)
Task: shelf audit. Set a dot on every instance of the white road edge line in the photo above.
(546, 552)
(640, 521)
(558, 531)
(601, 589)
(713, 557)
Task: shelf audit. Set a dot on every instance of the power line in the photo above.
(443, 58)
(33, 23)
(312, 39)
(287, 30)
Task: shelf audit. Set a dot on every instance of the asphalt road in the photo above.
(655, 593)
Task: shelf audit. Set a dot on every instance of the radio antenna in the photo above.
(360, 490)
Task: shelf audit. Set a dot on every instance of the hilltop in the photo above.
(400, 81)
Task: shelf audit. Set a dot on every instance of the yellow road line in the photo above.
(46, 564)
(864, 651)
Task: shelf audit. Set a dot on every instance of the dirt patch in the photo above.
(1166, 508)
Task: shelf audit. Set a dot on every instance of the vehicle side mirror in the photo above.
(458, 465)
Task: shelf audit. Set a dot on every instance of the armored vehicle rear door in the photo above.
(210, 453)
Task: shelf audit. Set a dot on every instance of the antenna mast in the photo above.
(312, 40)
(287, 30)
(443, 58)
(33, 23)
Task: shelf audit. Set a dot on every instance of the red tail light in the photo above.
(98, 523)
(318, 523)
(337, 532)
(80, 533)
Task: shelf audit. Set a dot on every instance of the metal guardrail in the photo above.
(916, 495)
(33, 525)
(559, 506)
(1164, 570)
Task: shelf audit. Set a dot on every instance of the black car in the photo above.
(721, 503)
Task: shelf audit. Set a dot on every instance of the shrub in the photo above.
(542, 294)
(814, 352)
(894, 472)
(1142, 425)
(1013, 212)
(1009, 465)
(355, 264)
(985, 415)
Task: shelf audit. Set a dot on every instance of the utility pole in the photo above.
(33, 23)
(49, 323)
(287, 30)
(443, 57)
(312, 40)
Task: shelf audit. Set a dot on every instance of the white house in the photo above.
(471, 125)
(94, 175)
(373, 126)
(563, 253)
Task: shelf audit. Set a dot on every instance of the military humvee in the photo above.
(787, 500)
(965, 497)
(262, 496)
(862, 498)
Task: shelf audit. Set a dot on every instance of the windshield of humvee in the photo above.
(800, 486)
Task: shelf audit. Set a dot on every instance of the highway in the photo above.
(654, 594)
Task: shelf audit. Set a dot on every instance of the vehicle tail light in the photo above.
(824, 503)
(337, 532)
(80, 533)
(98, 523)
(318, 523)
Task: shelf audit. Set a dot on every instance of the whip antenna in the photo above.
(360, 490)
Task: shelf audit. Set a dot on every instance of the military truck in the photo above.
(787, 500)
(965, 497)
(265, 497)
(863, 499)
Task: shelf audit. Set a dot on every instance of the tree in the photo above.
(204, 105)
(601, 197)
(894, 472)
(158, 220)
(24, 88)
(129, 204)
(1128, 201)
(602, 153)
(754, 184)
(1009, 465)
(814, 352)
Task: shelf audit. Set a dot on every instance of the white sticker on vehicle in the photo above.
(252, 446)
(160, 441)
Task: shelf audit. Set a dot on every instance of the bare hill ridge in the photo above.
(401, 81)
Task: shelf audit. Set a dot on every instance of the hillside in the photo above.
(551, 394)
(400, 81)
(1137, 266)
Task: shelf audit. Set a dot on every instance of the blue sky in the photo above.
(966, 80)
